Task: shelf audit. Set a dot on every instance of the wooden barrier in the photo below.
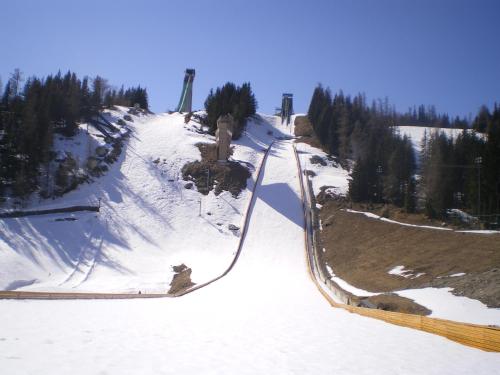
(15, 214)
(482, 337)
(78, 295)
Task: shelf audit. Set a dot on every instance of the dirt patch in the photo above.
(311, 141)
(303, 127)
(393, 302)
(362, 251)
(396, 213)
(181, 280)
(209, 175)
(305, 132)
(208, 151)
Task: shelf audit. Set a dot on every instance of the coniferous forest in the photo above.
(450, 173)
(32, 111)
(239, 101)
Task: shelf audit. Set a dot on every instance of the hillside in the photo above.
(417, 134)
(148, 221)
(266, 315)
(402, 262)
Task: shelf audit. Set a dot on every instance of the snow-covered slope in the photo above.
(148, 221)
(416, 133)
(266, 316)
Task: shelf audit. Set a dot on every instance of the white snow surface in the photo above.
(148, 220)
(416, 133)
(448, 306)
(406, 273)
(266, 316)
(348, 287)
(371, 215)
(330, 174)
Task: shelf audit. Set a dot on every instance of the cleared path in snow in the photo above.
(266, 316)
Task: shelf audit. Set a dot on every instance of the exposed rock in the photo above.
(233, 227)
(181, 280)
(309, 173)
(315, 159)
(101, 151)
(188, 185)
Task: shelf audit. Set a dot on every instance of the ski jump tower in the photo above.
(186, 101)
(286, 108)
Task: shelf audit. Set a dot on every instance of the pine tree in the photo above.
(238, 101)
(482, 120)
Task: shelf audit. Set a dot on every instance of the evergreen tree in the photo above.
(482, 120)
(29, 116)
(240, 102)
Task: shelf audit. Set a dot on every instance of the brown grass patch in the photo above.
(362, 250)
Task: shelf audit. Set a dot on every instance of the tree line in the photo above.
(239, 101)
(32, 112)
(385, 166)
(428, 116)
(463, 172)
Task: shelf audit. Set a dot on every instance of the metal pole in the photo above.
(479, 190)
(478, 161)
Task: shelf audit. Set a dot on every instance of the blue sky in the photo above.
(442, 52)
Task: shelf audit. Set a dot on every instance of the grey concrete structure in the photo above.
(223, 135)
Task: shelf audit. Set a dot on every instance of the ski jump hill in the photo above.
(265, 316)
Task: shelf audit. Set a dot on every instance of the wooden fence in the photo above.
(14, 214)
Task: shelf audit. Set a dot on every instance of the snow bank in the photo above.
(445, 305)
(330, 174)
(401, 271)
(348, 287)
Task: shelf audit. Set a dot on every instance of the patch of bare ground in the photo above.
(393, 302)
(208, 174)
(363, 250)
(304, 130)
